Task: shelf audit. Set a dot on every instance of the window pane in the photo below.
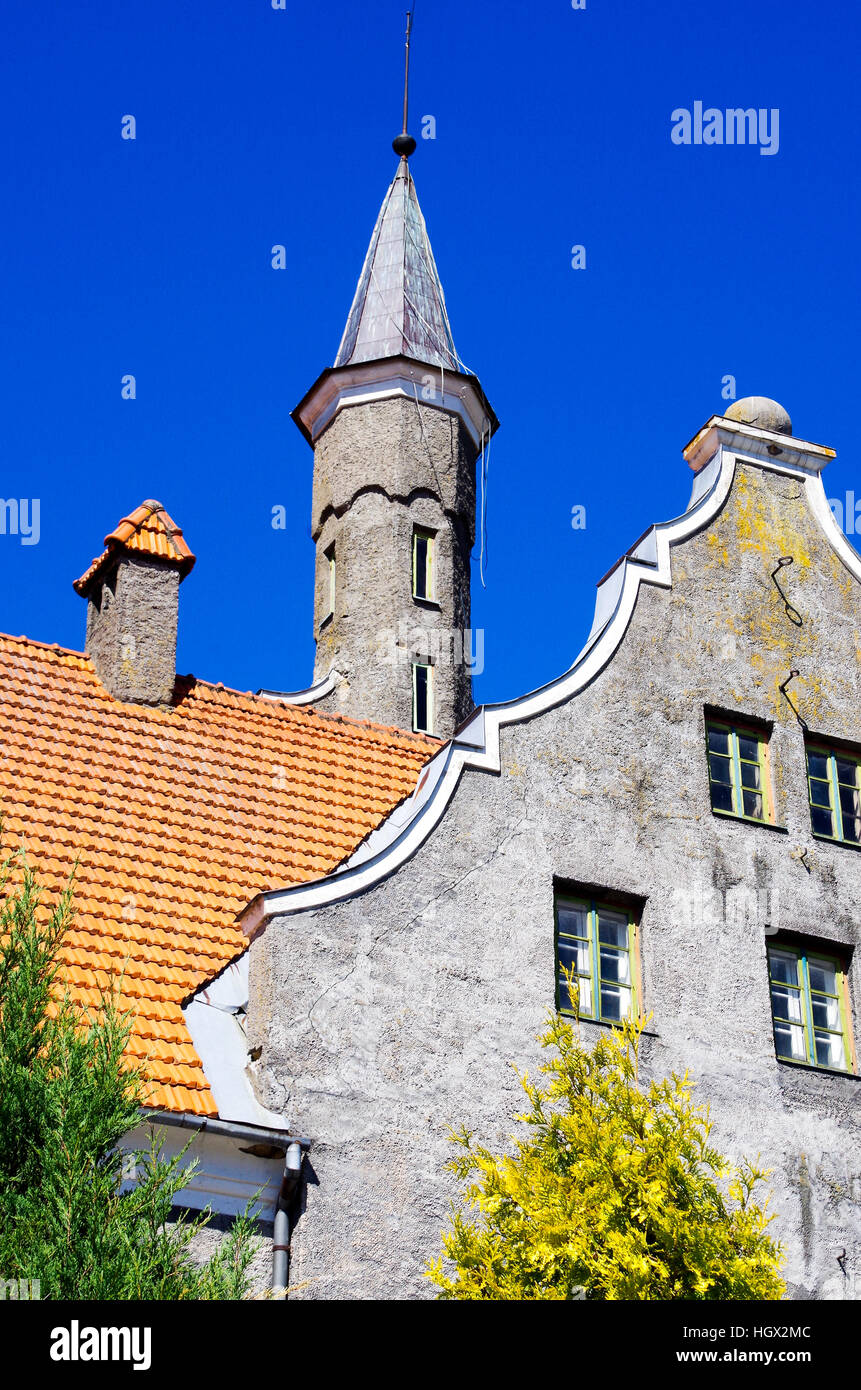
(826, 1012)
(823, 976)
(420, 563)
(829, 1050)
(721, 797)
(783, 967)
(719, 741)
(720, 768)
(820, 792)
(586, 997)
(750, 776)
(574, 955)
(789, 1041)
(615, 1003)
(753, 805)
(786, 1003)
(847, 771)
(612, 929)
(573, 920)
(821, 821)
(616, 966)
(850, 806)
(421, 712)
(817, 765)
(748, 748)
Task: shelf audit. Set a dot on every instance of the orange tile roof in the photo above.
(177, 818)
(148, 530)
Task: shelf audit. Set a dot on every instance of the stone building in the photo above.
(341, 914)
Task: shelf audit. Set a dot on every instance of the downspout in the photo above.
(281, 1228)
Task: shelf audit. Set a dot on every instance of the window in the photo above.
(422, 698)
(809, 1007)
(595, 941)
(738, 770)
(834, 788)
(329, 582)
(423, 563)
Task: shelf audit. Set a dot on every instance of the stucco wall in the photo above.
(380, 470)
(389, 1017)
(131, 630)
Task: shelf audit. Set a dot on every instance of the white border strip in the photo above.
(361, 383)
(310, 696)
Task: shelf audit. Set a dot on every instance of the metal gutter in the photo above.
(226, 1129)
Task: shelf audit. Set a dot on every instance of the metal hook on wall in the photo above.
(792, 613)
(782, 688)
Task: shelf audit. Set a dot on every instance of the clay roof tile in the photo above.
(176, 824)
(148, 530)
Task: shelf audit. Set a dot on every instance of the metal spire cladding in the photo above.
(399, 305)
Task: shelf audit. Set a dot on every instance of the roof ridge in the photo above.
(302, 713)
(330, 716)
(46, 646)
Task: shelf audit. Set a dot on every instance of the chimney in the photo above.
(132, 592)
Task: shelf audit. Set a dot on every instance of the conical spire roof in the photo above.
(399, 307)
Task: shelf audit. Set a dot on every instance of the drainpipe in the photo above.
(281, 1229)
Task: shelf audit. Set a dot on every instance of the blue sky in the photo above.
(257, 127)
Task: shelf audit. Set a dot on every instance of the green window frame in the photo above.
(424, 544)
(810, 1008)
(422, 697)
(739, 775)
(596, 941)
(834, 793)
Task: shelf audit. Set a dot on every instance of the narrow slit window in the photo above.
(329, 581)
(834, 791)
(595, 943)
(809, 1008)
(423, 563)
(422, 698)
(738, 771)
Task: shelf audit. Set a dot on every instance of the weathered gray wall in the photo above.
(131, 631)
(379, 470)
(387, 1018)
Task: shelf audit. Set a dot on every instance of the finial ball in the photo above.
(760, 411)
(403, 145)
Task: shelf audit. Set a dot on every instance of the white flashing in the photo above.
(365, 382)
(478, 744)
(214, 1018)
(818, 503)
(309, 696)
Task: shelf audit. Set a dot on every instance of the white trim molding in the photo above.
(712, 454)
(388, 377)
(310, 696)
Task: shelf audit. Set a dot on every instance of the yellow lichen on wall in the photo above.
(773, 608)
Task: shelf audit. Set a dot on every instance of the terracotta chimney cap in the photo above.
(148, 530)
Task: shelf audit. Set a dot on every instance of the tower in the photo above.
(396, 426)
